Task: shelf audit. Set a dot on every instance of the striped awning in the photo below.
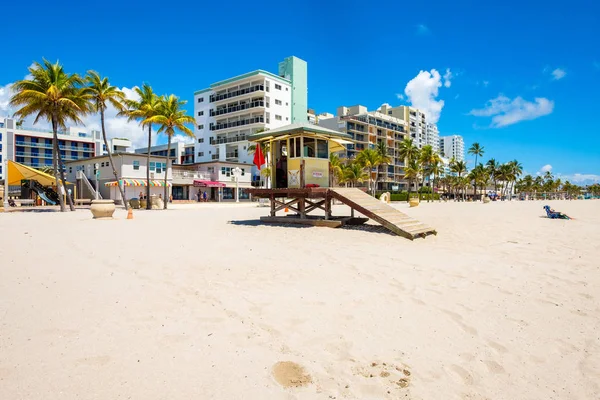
(137, 182)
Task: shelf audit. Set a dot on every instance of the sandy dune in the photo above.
(502, 304)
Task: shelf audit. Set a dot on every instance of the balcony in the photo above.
(233, 139)
(231, 154)
(239, 107)
(233, 124)
(214, 157)
(240, 92)
(192, 175)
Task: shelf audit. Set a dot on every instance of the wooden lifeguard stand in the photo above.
(301, 178)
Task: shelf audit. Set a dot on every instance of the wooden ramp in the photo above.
(392, 219)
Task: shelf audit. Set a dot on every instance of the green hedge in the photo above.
(403, 196)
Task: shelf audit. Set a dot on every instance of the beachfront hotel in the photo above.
(453, 147)
(367, 128)
(230, 110)
(33, 146)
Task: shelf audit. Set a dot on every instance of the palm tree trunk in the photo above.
(166, 199)
(110, 159)
(61, 201)
(64, 183)
(148, 205)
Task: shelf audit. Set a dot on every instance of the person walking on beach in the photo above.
(198, 195)
(204, 196)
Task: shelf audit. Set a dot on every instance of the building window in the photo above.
(158, 168)
(287, 119)
(107, 164)
(200, 154)
(278, 117)
(102, 164)
(200, 99)
(286, 103)
(152, 166)
(201, 140)
(278, 87)
(278, 102)
(200, 126)
(286, 89)
(200, 113)
(70, 170)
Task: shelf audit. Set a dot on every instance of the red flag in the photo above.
(259, 158)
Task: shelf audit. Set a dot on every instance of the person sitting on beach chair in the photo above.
(553, 214)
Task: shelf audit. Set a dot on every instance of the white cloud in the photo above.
(546, 168)
(505, 111)
(400, 96)
(558, 74)
(422, 92)
(447, 77)
(581, 179)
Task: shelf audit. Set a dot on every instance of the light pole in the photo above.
(5, 174)
(237, 172)
(97, 175)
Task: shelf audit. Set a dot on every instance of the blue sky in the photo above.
(524, 76)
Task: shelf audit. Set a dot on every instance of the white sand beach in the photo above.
(502, 304)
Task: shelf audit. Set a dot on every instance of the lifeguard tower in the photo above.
(301, 181)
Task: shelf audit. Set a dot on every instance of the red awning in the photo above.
(199, 183)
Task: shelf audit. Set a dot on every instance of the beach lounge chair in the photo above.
(555, 214)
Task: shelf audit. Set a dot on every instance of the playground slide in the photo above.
(45, 198)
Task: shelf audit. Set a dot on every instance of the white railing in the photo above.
(88, 184)
(192, 175)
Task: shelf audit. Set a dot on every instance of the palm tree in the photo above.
(412, 171)
(53, 95)
(370, 160)
(426, 157)
(354, 173)
(335, 164)
(516, 171)
(170, 117)
(478, 175)
(142, 109)
(477, 150)
(492, 166)
(505, 175)
(436, 168)
(409, 152)
(384, 158)
(459, 168)
(100, 91)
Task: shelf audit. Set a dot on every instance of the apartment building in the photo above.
(33, 146)
(432, 137)
(230, 110)
(367, 129)
(181, 153)
(453, 147)
(414, 118)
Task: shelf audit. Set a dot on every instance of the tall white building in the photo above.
(432, 137)
(230, 110)
(33, 146)
(453, 146)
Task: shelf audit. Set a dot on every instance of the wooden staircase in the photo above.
(392, 219)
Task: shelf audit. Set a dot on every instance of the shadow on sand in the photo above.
(365, 228)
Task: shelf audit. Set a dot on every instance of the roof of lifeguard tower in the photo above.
(298, 128)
